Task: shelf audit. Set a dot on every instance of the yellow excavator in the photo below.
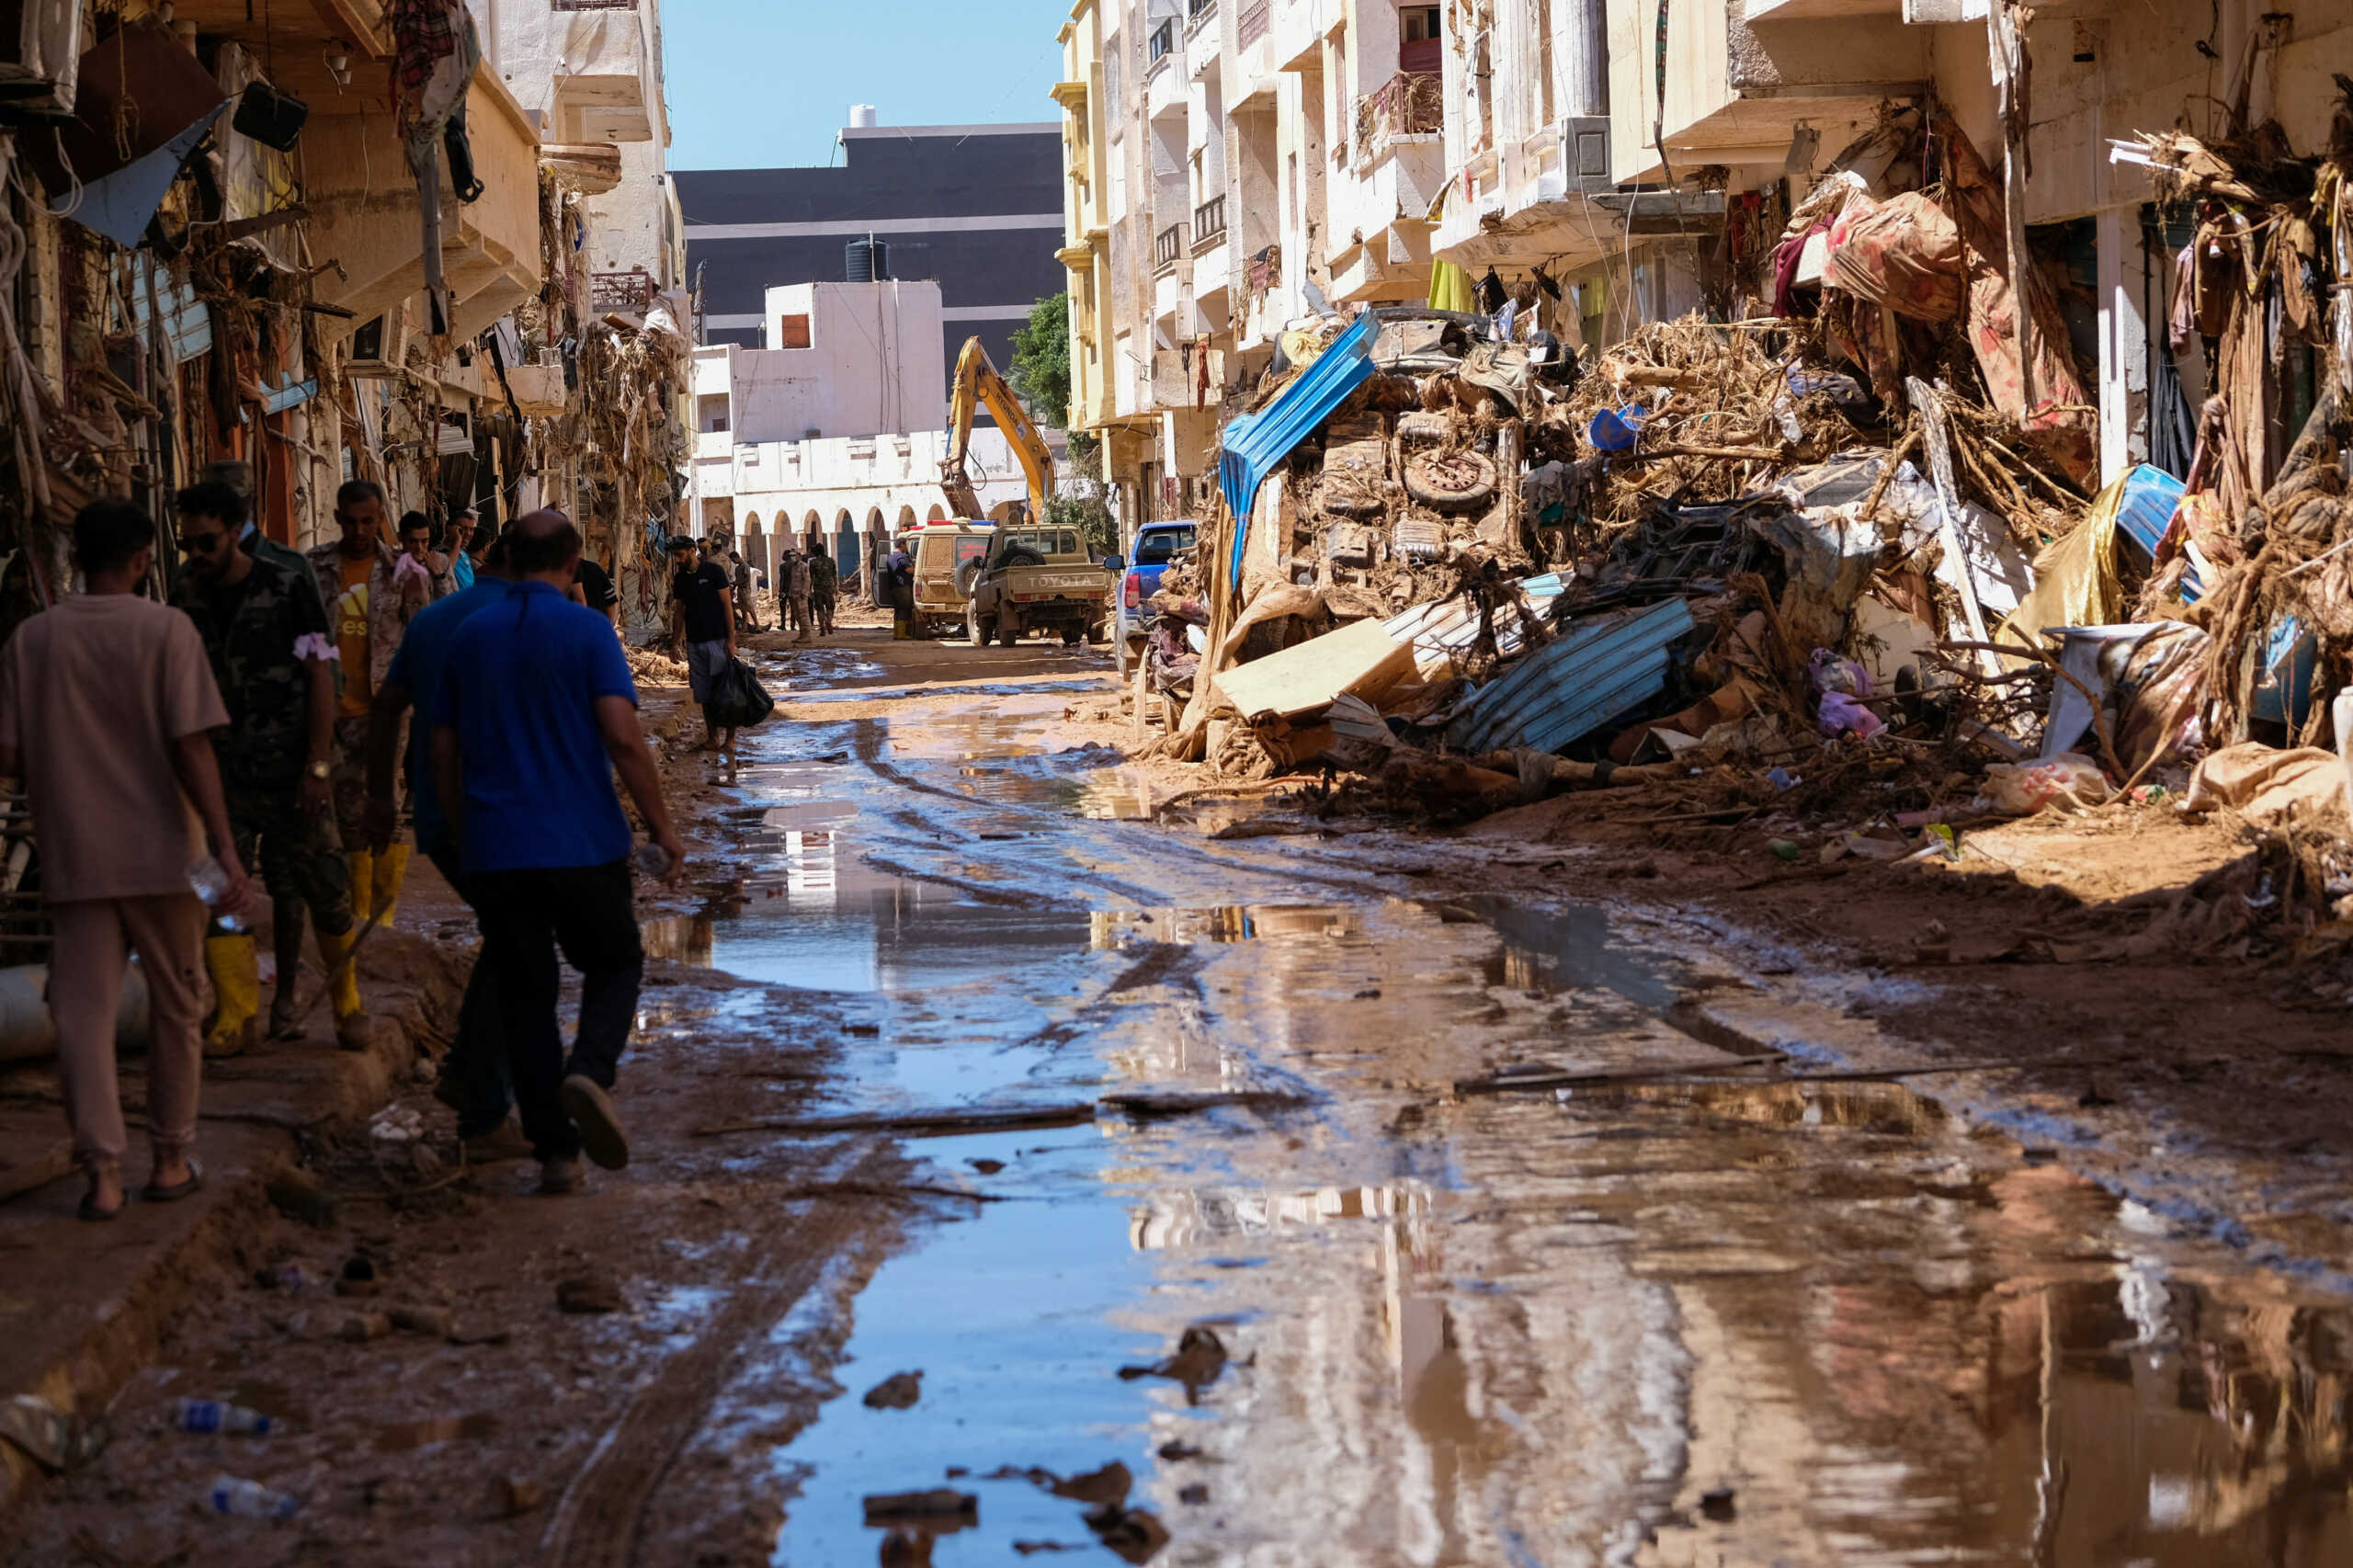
(1029, 576)
(978, 385)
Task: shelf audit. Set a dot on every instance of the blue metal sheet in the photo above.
(1595, 671)
(1252, 444)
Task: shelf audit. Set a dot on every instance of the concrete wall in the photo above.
(873, 364)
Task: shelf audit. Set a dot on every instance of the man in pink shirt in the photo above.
(106, 702)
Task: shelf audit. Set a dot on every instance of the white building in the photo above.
(833, 431)
(590, 77)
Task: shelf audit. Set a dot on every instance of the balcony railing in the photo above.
(631, 290)
(592, 5)
(1196, 9)
(1411, 103)
(1251, 25)
(1166, 246)
(1164, 41)
(1209, 222)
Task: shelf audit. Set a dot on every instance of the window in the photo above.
(1420, 24)
(792, 332)
(1158, 545)
(711, 412)
(1419, 51)
(1164, 40)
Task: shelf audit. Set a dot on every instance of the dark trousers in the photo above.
(474, 1073)
(526, 914)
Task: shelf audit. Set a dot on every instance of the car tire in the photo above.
(1008, 632)
(1097, 634)
(975, 628)
(1071, 634)
(1451, 481)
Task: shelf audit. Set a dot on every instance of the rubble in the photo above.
(1840, 560)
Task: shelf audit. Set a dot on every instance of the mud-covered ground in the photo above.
(1546, 1219)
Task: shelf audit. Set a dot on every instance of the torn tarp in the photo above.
(1598, 669)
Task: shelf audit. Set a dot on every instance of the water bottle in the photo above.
(247, 1499)
(209, 881)
(654, 861)
(213, 1415)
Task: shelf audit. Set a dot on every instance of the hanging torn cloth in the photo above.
(435, 54)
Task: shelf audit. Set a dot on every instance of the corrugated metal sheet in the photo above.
(1597, 670)
(1252, 444)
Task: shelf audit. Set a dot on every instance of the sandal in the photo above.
(151, 1193)
(92, 1214)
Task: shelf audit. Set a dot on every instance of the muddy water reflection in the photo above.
(1667, 1325)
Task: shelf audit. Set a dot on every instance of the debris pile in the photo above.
(1843, 561)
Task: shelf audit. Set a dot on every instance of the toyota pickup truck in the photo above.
(1036, 578)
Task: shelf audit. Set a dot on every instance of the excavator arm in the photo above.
(978, 385)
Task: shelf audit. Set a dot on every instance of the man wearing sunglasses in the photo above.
(273, 655)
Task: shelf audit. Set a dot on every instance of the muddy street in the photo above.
(1355, 1215)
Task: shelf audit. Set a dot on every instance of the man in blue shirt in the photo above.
(534, 713)
(473, 1074)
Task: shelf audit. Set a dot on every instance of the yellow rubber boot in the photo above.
(236, 988)
(352, 1026)
(363, 885)
(392, 867)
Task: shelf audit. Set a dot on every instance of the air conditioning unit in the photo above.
(42, 63)
(379, 348)
(1585, 155)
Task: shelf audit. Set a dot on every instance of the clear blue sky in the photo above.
(765, 83)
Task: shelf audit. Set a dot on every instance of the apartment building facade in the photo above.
(1234, 165)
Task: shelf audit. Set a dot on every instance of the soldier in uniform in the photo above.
(824, 585)
(273, 656)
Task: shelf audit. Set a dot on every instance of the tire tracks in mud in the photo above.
(600, 1520)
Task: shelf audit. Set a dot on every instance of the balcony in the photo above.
(490, 247)
(1209, 223)
(631, 292)
(1197, 12)
(1252, 25)
(1167, 247)
(592, 5)
(1163, 42)
(605, 76)
(1741, 77)
(1412, 103)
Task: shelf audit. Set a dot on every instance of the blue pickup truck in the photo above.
(1155, 543)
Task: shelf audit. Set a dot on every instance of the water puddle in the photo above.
(1661, 1323)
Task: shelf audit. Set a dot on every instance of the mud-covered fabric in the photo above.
(251, 631)
(296, 853)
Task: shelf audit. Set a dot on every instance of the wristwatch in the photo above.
(320, 770)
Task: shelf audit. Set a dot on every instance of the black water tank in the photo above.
(867, 261)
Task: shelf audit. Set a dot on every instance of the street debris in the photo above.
(900, 1390)
(939, 1510)
(590, 1293)
(1200, 1356)
(1839, 575)
(244, 1499)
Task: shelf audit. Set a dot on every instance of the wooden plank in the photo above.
(1360, 659)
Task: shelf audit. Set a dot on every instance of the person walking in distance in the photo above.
(533, 714)
(899, 578)
(703, 624)
(747, 606)
(798, 584)
(825, 588)
(267, 637)
(370, 598)
(106, 707)
(473, 1077)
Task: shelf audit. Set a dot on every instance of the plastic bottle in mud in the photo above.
(213, 1415)
(247, 1499)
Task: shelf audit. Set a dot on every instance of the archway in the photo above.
(813, 536)
(907, 519)
(755, 543)
(845, 554)
(937, 514)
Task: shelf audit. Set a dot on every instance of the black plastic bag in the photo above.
(737, 699)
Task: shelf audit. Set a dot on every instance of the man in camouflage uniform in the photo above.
(825, 582)
(266, 635)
